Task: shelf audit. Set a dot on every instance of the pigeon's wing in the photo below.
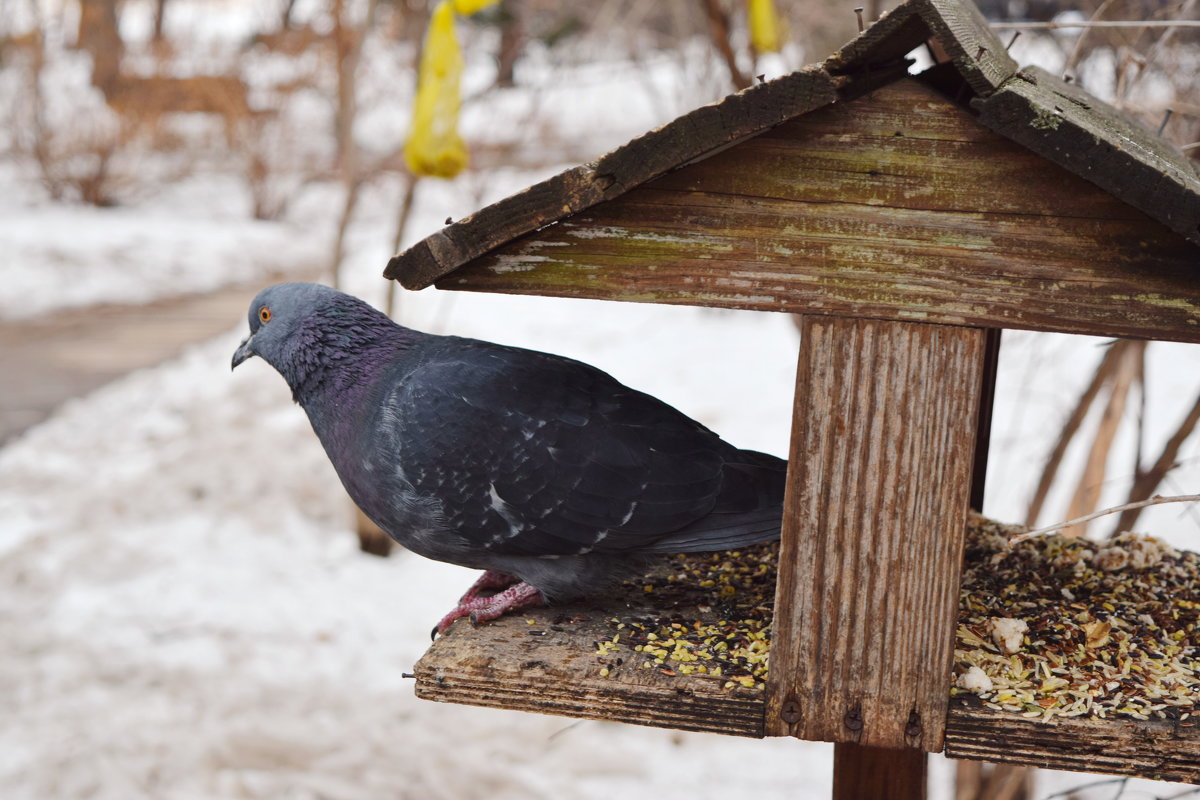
(533, 454)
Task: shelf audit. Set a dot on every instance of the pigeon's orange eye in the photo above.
(264, 314)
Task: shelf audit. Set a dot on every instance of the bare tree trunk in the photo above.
(512, 38)
(348, 48)
(371, 538)
(285, 17)
(100, 36)
(1086, 498)
(406, 207)
(975, 780)
(160, 12)
(1069, 429)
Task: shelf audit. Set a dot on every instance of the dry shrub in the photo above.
(74, 142)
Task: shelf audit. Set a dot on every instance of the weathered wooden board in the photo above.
(514, 665)
(896, 206)
(689, 137)
(1073, 129)
(551, 666)
(878, 490)
(958, 27)
(1158, 750)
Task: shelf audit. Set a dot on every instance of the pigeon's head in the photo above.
(277, 316)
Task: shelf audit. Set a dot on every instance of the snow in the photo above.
(70, 256)
(184, 610)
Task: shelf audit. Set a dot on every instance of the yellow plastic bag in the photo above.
(465, 8)
(766, 31)
(434, 146)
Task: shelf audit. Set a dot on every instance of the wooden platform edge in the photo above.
(551, 673)
(503, 666)
(1154, 749)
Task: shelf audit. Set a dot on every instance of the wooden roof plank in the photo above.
(887, 41)
(1065, 125)
(974, 47)
(717, 125)
(1086, 137)
(470, 237)
(685, 139)
(958, 26)
(872, 210)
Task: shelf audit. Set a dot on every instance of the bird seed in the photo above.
(1050, 627)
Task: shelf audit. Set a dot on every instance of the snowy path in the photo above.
(69, 353)
(66, 354)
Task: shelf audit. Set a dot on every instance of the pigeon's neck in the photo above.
(338, 359)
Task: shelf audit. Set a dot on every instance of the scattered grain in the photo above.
(1051, 627)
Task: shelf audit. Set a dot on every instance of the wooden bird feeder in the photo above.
(907, 219)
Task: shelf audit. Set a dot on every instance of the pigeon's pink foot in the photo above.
(490, 582)
(517, 596)
(514, 598)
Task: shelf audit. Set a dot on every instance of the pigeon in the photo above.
(547, 473)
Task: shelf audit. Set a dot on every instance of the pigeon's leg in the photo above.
(514, 598)
(518, 595)
(488, 582)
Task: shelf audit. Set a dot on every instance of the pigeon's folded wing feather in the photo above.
(532, 454)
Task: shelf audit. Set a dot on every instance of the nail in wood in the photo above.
(1163, 125)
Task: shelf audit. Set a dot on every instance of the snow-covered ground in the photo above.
(184, 611)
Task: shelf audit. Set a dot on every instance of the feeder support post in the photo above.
(879, 484)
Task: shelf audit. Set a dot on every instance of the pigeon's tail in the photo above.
(749, 509)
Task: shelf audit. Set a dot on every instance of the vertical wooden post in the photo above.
(873, 772)
(983, 427)
(882, 453)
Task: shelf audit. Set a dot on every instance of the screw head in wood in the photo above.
(853, 719)
(790, 713)
(913, 729)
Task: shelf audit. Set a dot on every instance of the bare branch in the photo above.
(1153, 501)
(1146, 482)
(718, 29)
(1103, 23)
(1077, 50)
(1087, 491)
(1103, 370)
(1070, 793)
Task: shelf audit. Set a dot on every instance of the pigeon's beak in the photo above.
(244, 351)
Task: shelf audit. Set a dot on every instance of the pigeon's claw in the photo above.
(517, 596)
